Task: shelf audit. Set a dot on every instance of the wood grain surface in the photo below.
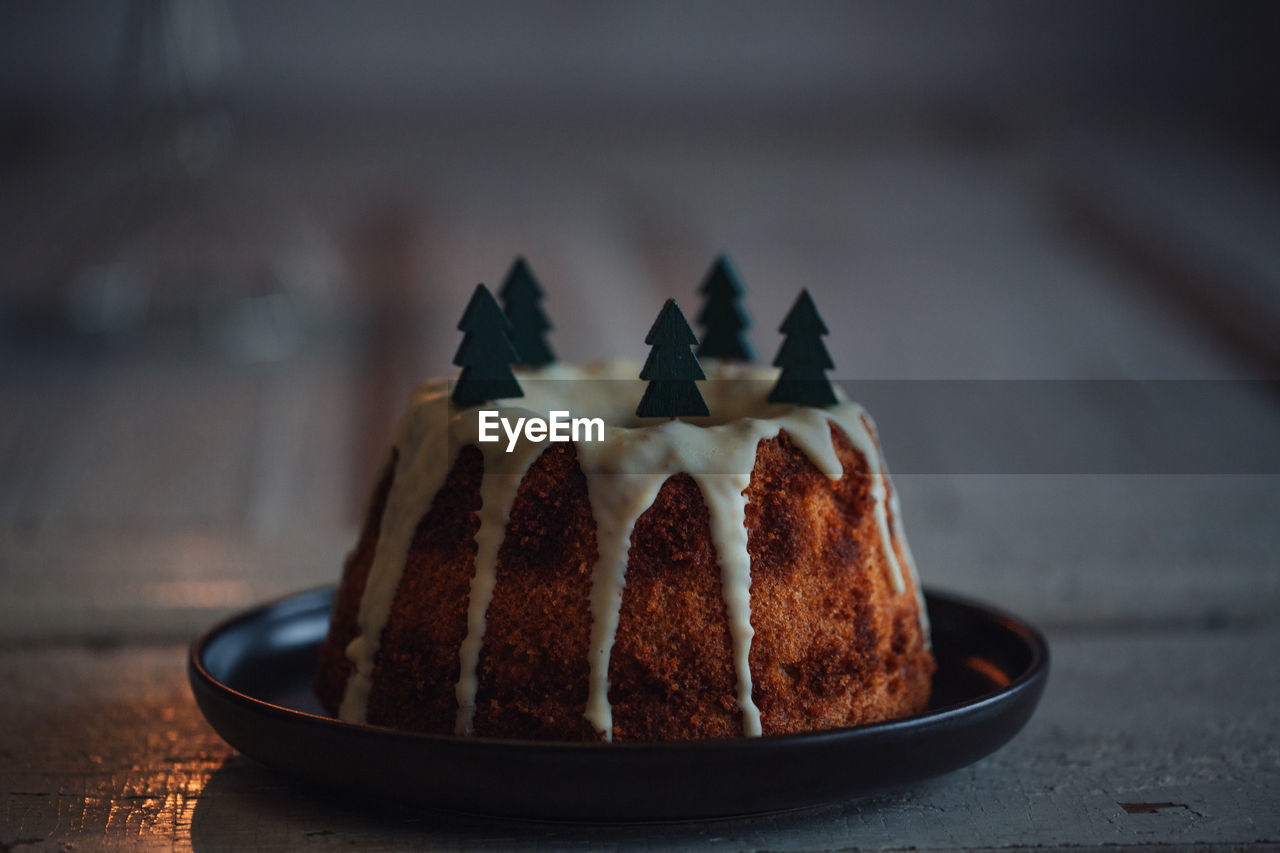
(1137, 743)
(156, 478)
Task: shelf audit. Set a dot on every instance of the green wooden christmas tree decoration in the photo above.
(486, 353)
(672, 369)
(723, 318)
(521, 294)
(803, 358)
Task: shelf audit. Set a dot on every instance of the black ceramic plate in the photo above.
(252, 678)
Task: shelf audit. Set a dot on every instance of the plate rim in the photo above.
(1032, 677)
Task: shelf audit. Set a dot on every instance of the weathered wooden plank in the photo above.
(1086, 552)
(929, 262)
(1163, 739)
(937, 260)
(114, 587)
(577, 237)
(301, 473)
(1192, 217)
(940, 259)
(30, 434)
(153, 443)
(1115, 552)
(136, 441)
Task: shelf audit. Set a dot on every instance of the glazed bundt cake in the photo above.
(743, 574)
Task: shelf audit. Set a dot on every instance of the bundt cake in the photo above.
(742, 574)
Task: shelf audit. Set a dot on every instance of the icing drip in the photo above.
(725, 492)
(880, 500)
(502, 475)
(624, 474)
(900, 536)
(619, 494)
(422, 463)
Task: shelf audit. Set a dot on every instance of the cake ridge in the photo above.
(502, 475)
(624, 474)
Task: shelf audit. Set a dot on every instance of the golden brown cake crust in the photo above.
(833, 646)
(417, 664)
(671, 670)
(533, 665)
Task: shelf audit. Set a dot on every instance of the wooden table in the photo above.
(162, 471)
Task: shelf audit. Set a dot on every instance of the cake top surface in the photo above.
(736, 394)
(609, 388)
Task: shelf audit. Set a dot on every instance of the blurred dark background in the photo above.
(1045, 237)
(329, 131)
(234, 235)
(66, 64)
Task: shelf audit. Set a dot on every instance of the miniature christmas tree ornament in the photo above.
(723, 318)
(486, 353)
(521, 294)
(672, 369)
(803, 358)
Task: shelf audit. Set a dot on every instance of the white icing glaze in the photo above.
(624, 474)
(502, 475)
(729, 536)
(880, 501)
(900, 536)
(425, 451)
